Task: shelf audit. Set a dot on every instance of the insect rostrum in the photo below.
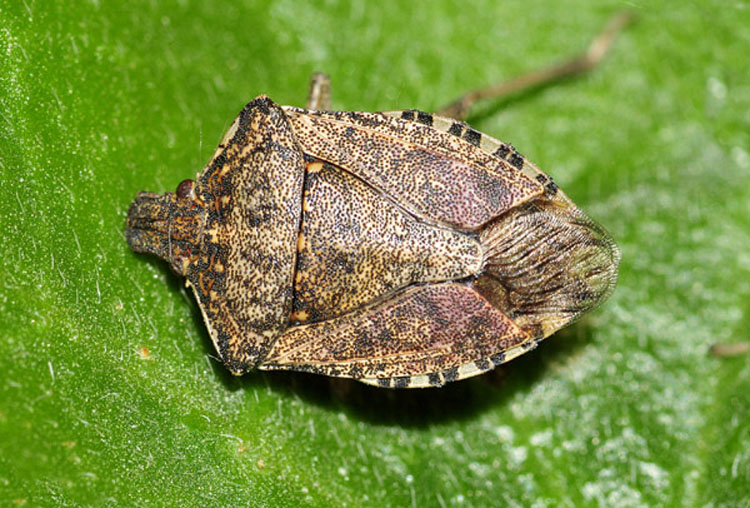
(401, 249)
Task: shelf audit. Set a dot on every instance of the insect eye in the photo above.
(185, 188)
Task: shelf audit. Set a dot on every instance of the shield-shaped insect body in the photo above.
(401, 249)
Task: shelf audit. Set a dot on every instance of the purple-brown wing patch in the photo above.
(433, 174)
(420, 331)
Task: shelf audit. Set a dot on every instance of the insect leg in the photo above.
(577, 65)
(730, 349)
(319, 97)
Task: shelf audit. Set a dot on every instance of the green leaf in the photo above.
(110, 392)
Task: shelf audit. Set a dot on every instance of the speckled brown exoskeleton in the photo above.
(401, 249)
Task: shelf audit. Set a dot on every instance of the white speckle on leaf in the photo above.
(504, 433)
(518, 455)
(610, 492)
(741, 157)
(717, 89)
(543, 438)
(657, 475)
(479, 469)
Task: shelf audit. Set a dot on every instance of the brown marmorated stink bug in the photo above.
(401, 249)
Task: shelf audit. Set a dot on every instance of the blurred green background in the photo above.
(110, 392)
